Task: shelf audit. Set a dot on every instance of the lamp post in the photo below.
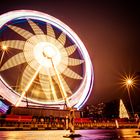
(129, 83)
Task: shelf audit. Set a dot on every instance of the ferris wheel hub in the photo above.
(49, 51)
(44, 52)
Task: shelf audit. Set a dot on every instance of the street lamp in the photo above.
(129, 82)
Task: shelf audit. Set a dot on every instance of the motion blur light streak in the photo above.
(53, 58)
(28, 86)
(3, 107)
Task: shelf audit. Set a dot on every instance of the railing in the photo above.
(10, 125)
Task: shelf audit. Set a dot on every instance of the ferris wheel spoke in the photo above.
(29, 52)
(29, 56)
(31, 42)
(62, 66)
(69, 73)
(34, 64)
(26, 77)
(50, 31)
(64, 54)
(36, 92)
(48, 86)
(35, 28)
(22, 32)
(52, 86)
(28, 86)
(71, 49)
(74, 62)
(67, 88)
(2, 56)
(15, 44)
(14, 61)
(62, 38)
(61, 87)
(29, 46)
(60, 84)
(45, 85)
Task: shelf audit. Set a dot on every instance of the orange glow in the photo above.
(129, 81)
(4, 48)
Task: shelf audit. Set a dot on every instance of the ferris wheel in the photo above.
(42, 61)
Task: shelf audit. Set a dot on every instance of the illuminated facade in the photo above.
(42, 61)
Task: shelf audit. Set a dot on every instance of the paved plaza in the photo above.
(96, 134)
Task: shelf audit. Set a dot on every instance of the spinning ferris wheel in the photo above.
(42, 61)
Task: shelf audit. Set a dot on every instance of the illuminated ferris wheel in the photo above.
(42, 61)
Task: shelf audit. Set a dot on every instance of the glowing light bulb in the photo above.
(49, 51)
(4, 47)
(129, 82)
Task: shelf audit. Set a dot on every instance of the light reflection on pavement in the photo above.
(95, 134)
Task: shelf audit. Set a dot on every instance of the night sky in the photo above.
(110, 31)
